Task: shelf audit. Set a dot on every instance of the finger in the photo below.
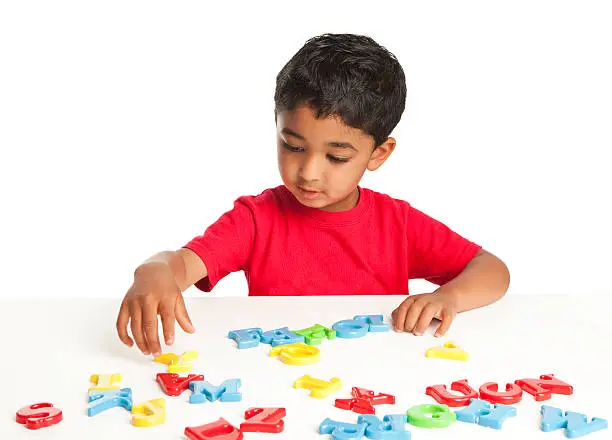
(399, 314)
(424, 320)
(394, 318)
(447, 319)
(182, 317)
(149, 326)
(122, 321)
(136, 326)
(413, 315)
(166, 311)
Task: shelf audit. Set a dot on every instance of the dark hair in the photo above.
(345, 75)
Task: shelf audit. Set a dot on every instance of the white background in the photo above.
(127, 127)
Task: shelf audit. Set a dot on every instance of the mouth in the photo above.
(308, 193)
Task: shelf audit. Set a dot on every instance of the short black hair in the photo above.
(345, 75)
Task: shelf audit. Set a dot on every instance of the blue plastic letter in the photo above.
(246, 338)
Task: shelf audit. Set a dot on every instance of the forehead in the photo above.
(331, 129)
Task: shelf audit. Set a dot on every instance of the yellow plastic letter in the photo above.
(176, 363)
(149, 413)
(318, 388)
(448, 351)
(105, 381)
(296, 354)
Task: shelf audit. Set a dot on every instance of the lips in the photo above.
(308, 194)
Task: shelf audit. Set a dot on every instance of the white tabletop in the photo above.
(51, 347)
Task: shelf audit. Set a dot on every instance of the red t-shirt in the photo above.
(286, 248)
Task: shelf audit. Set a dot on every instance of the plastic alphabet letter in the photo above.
(105, 381)
(375, 322)
(226, 392)
(263, 420)
(392, 427)
(575, 424)
(448, 351)
(102, 400)
(358, 405)
(430, 416)
(351, 328)
(543, 387)
(318, 388)
(297, 354)
(363, 401)
(376, 399)
(513, 393)
(176, 363)
(173, 385)
(442, 395)
(219, 430)
(246, 337)
(150, 413)
(481, 412)
(315, 334)
(342, 431)
(280, 336)
(39, 415)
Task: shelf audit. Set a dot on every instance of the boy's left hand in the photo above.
(416, 312)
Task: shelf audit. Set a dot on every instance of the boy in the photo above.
(336, 102)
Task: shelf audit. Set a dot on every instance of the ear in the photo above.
(381, 154)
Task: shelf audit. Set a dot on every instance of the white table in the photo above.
(51, 347)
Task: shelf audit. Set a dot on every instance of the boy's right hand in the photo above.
(153, 292)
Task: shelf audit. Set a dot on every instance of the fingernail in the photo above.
(169, 341)
(417, 334)
(156, 354)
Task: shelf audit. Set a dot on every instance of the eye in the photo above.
(291, 148)
(338, 159)
(299, 149)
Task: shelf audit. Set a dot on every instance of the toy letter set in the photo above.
(487, 406)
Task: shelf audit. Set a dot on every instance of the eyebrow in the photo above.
(331, 144)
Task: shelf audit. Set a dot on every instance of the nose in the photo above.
(311, 169)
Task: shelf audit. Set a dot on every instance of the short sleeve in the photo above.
(226, 245)
(436, 253)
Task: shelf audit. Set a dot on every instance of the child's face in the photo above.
(325, 155)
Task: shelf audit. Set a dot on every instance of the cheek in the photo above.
(284, 163)
(348, 173)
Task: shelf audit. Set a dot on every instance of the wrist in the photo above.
(450, 293)
(152, 270)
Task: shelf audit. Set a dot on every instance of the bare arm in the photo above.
(187, 268)
(484, 280)
(157, 290)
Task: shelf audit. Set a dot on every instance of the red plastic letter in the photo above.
(219, 430)
(513, 393)
(375, 399)
(363, 401)
(543, 387)
(39, 415)
(359, 405)
(173, 385)
(263, 420)
(442, 395)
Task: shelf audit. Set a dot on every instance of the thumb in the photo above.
(182, 317)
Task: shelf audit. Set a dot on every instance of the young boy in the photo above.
(336, 102)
